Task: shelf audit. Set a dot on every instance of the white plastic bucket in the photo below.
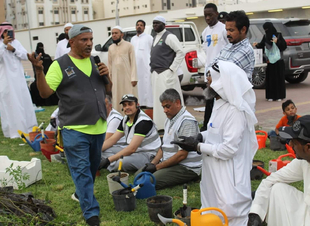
(113, 186)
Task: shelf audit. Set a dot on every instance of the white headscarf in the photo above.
(232, 84)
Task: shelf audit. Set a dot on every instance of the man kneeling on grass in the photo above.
(142, 139)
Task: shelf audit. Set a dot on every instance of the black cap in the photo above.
(222, 15)
(129, 98)
(300, 129)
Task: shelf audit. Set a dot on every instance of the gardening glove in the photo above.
(254, 220)
(104, 163)
(188, 143)
(149, 167)
(53, 122)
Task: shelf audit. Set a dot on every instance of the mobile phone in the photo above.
(10, 33)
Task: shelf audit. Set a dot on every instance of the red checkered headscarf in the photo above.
(6, 26)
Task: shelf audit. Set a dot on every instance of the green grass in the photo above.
(57, 187)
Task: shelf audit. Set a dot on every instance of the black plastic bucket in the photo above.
(186, 220)
(124, 202)
(161, 204)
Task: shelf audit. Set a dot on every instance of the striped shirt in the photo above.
(188, 127)
(241, 53)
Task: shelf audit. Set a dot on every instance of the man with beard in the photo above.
(62, 46)
(81, 89)
(166, 57)
(142, 139)
(122, 67)
(229, 144)
(239, 51)
(142, 43)
(276, 202)
(214, 40)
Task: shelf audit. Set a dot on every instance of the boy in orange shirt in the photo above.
(290, 116)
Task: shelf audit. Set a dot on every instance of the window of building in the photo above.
(72, 1)
(86, 1)
(186, 4)
(40, 11)
(56, 22)
(85, 11)
(138, 7)
(134, 7)
(73, 11)
(35, 38)
(145, 5)
(41, 23)
(56, 11)
(165, 4)
(113, 10)
(172, 4)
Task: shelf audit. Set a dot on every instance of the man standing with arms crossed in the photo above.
(142, 43)
(214, 40)
(166, 57)
(80, 85)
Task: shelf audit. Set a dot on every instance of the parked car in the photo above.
(187, 33)
(296, 33)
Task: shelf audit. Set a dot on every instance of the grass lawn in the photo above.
(57, 187)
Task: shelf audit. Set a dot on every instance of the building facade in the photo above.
(131, 7)
(47, 12)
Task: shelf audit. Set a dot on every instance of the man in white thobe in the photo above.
(166, 58)
(16, 109)
(275, 200)
(122, 67)
(229, 144)
(62, 46)
(142, 43)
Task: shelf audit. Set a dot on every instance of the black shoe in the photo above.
(93, 221)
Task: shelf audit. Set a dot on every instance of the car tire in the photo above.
(297, 78)
(259, 78)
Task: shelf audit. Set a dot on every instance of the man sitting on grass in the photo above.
(278, 203)
(173, 165)
(142, 139)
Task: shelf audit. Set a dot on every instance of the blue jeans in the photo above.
(83, 153)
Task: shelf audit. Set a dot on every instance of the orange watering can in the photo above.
(290, 150)
(198, 218)
(261, 139)
(276, 164)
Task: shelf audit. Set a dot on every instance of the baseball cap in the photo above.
(222, 15)
(78, 29)
(300, 129)
(129, 98)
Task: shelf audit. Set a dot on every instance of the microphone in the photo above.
(97, 61)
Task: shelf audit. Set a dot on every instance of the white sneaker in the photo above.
(270, 100)
(75, 197)
(279, 100)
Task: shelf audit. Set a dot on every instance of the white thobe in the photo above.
(280, 203)
(16, 109)
(61, 48)
(227, 160)
(142, 45)
(167, 79)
